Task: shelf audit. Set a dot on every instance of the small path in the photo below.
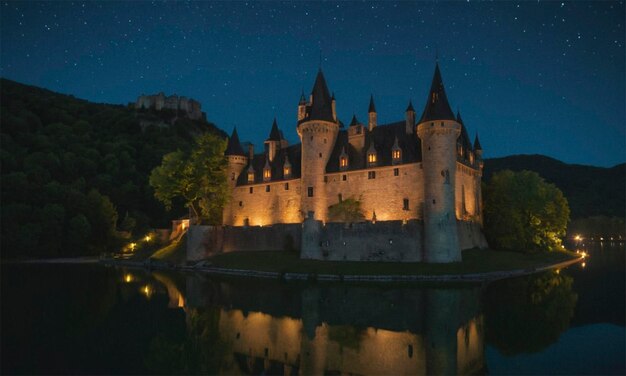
(465, 278)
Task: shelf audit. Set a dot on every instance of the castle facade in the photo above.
(418, 170)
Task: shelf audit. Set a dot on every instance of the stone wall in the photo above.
(207, 241)
(386, 241)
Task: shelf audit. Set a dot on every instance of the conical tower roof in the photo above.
(234, 147)
(372, 107)
(477, 143)
(354, 121)
(302, 98)
(437, 106)
(274, 133)
(410, 107)
(465, 140)
(321, 109)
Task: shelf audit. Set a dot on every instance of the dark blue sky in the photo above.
(529, 77)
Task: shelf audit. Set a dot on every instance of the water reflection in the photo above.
(273, 328)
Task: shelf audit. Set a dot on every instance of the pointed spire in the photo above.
(354, 121)
(274, 133)
(302, 98)
(477, 143)
(437, 106)
(458, 117)
(372, 107)
(321, 109)
(234, 146)
(410, 106)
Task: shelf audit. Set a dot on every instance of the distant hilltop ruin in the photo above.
(184, 106)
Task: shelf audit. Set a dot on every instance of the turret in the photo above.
(356, 134)
(464, 145)
(334, 106)
(273, 142)
(237, 161)
(318, 132)
(479, 151)
(438, 131)
(302, 107)
(373, 117)
(409, 117)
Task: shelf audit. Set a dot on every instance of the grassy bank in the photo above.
(474, 261)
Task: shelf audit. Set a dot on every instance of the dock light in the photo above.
(584, 254)
(128, 278)
(147, 291)
(148, 238)
(578, 238)
(132, 246)
(583, 264)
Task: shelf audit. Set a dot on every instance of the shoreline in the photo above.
(61, 260)
(287, 276)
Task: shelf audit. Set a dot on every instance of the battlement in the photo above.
(185, 106)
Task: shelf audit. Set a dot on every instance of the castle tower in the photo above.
(356, 134)
(318, 133)
(273, 142)
(373, 117)
(237, 161)
(438, 131)
(409, 117)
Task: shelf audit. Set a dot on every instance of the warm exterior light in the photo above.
(583, 264)
(132, 246)
(128, 278)
(148, 238)
(147, 291)
(578, 238)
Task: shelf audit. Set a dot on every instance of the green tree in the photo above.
(348, 210)
(524, 213)
(198, 177)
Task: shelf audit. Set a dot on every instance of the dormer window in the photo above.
(371, 158)
(287, 171)
(396, 153)
(343, 162)
(250, 175)
(267, 171)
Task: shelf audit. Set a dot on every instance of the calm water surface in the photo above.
(96, 319)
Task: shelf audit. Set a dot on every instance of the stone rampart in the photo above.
(383, 241)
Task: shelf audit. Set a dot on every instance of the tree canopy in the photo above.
(72, 169)
(348, 210)
(524, 213)
(198, 177)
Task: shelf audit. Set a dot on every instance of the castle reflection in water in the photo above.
(267, 327)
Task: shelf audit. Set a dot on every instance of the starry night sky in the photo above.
(529, 77)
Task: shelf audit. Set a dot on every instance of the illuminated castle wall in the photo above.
(426, 170)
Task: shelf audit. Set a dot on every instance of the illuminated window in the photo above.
(310, 191)
(371, 174)
(267, 174)
(343, 162)
(286, 171)
(395, 154)
(371, 158)
(250, 176)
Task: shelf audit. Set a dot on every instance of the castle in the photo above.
(418, 182)
(185, 106)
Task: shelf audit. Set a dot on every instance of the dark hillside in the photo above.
(72, 171)
(590, 191)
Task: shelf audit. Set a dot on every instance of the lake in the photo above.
(60, 318)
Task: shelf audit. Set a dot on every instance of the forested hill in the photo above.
(590, 190)
(72, 171)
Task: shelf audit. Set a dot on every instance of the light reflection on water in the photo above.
(111, 320)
